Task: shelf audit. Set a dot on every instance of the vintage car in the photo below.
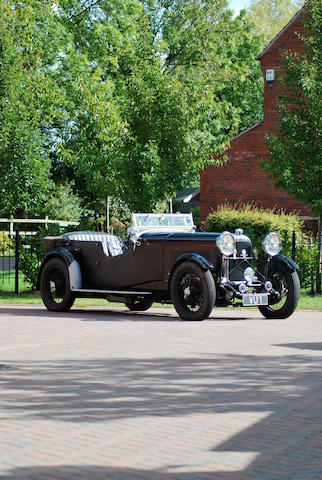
(165, 260)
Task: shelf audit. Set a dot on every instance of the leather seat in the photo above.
(112, 245)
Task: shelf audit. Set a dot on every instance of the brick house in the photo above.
(241, 179)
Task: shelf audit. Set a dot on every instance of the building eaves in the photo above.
(247, 130)
(187, 195)
(271, 43)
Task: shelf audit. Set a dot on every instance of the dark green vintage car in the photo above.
(165, 260)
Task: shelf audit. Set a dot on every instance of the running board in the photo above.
(114, 292)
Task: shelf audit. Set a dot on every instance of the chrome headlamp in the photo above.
(249, 274)
(226, 243)
(272, 244)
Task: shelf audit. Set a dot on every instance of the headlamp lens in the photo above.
(272, 244)
(226, 243)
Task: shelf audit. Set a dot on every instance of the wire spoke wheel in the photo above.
(54, 286)
(287, 285)
(190, 291)
(193, 291)
(279, 283)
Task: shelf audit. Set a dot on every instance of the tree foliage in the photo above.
(270, 17)
(162, 108)
(131, 97)
(295, 153)
(29, 102)
(63, 204)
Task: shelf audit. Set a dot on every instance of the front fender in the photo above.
(275, 264)
(74, 271)
(289, 262)
(191, 257)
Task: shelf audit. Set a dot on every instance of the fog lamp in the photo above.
(248, 274)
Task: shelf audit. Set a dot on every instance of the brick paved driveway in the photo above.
(108, 394)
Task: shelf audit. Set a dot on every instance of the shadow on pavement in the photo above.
(71, 472)
(103, 389)
(113, 315)
(302, 346)
(85, 314)
(258, 470)
(285, 389)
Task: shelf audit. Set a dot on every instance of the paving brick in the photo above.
(97, 394)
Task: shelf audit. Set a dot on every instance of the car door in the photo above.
(148, 259)
(113, 272)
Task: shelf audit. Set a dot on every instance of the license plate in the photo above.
(255, 299)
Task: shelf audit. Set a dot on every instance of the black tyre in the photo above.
(138, 305)
(54, 286)
(193, 291)
(287, 283)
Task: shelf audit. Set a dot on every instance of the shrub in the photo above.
(64, 204)
(256, 222)
(5, 243)
(31, 252)
(307, 258)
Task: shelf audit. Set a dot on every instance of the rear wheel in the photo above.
(138, 305)
(54, 286)
(193, 291)
(287, 284)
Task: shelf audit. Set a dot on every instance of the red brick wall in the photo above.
(240, 179)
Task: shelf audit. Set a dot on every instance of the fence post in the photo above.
(17, 261)
(319, 269)
(11, 225)
(293, 245)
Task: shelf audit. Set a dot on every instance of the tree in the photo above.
(63, 204)
(271, 16)
(132, 98)
(29, 101)
(295, 153)
(154, 107)
(245, 88)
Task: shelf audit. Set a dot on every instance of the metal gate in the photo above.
(20, 241)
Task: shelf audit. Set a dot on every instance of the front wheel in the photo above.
(54, 286)
(193, 291)
(287, 284)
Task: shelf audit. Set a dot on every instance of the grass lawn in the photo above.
(7, 282)
(7, 286)
(306, 301)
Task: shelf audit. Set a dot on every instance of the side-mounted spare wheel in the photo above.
(54, 286)
(193, 291)
(287, 283)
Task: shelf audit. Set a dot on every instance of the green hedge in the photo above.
(255, 221)
(5, 243)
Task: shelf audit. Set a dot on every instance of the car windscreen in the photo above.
(164, 220)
